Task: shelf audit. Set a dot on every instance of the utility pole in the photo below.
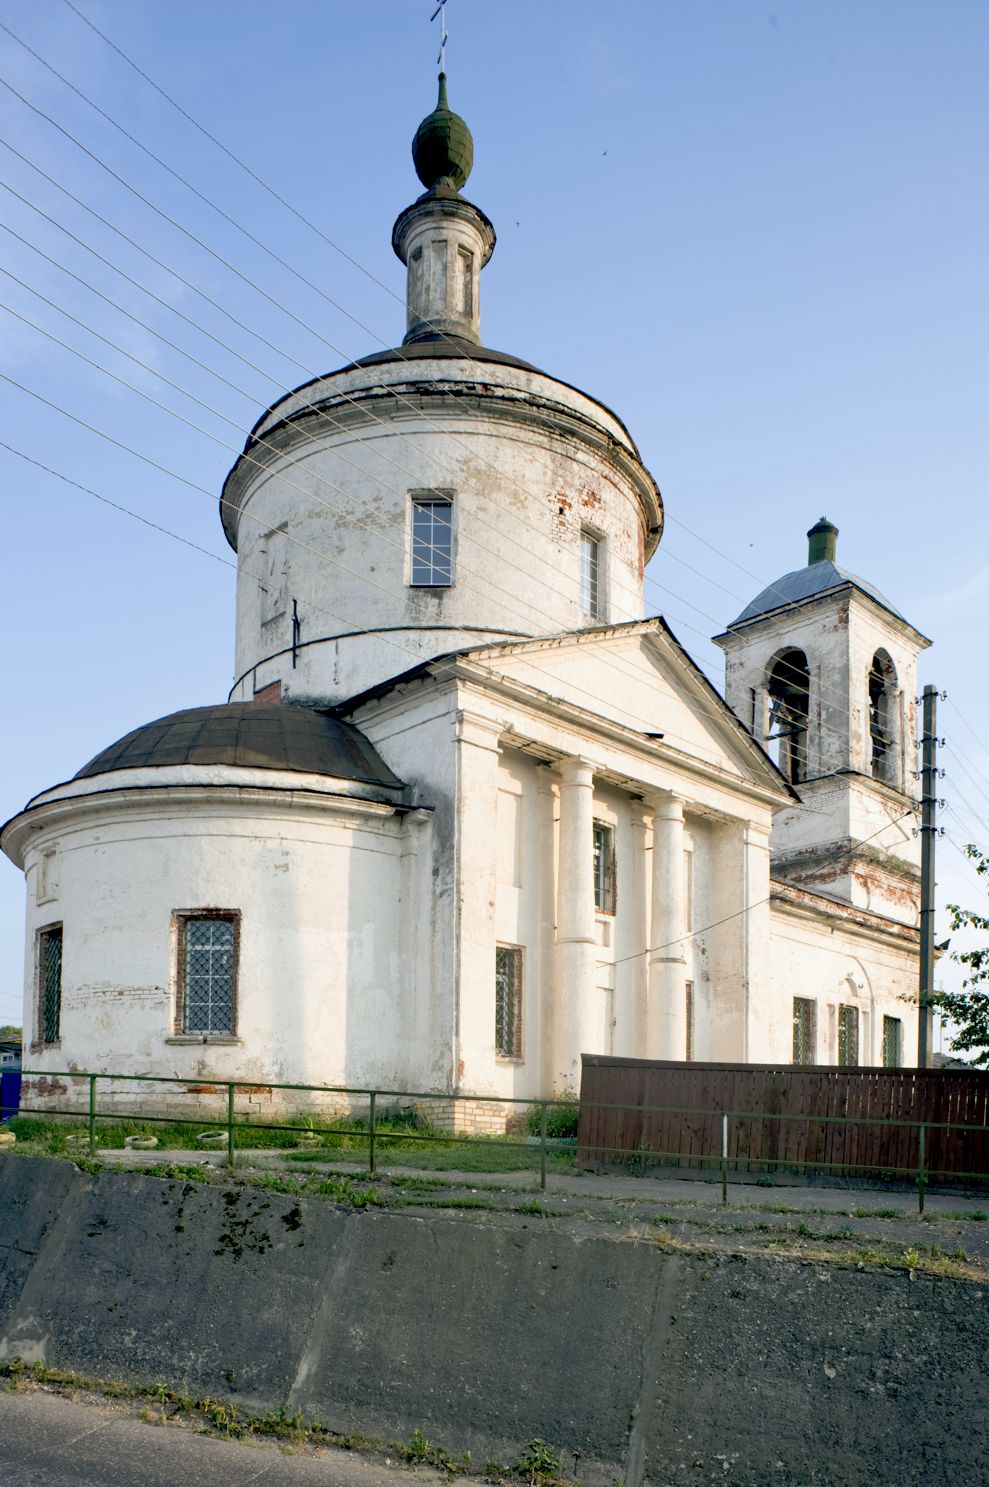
(928, 836)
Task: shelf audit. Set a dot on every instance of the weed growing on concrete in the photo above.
(878, 1213)
(539, 1463)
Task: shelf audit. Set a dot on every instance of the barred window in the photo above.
(432, 541)
(804, 1029)
(207, 946)
(689, 998)
(591, 587)
(50, 984)
(604, 868)
(892, 1043)
(508, 1001)
(848, 1036)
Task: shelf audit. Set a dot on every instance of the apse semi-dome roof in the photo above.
(252, 735)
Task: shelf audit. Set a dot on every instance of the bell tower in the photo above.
(823, 670)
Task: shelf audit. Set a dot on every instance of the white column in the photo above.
(475, 871)
(666, 1013)
(576, 944)
(545, 1011)
(632, 965)
(766, 1027)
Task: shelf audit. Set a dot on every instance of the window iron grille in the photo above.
(432, 542)
(208, 976)
(892, 1042)
(50, 968)
(508, 1001)
(848, 1036)
(804, 1029)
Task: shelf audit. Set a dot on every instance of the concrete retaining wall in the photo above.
(657, 1367)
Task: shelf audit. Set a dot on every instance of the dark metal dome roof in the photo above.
(806, 583)
(254, 736)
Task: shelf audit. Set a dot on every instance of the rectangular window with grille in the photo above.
(848, 1036)
(689, 993)
(431, 564)
(50, 984)
(207, 981)
(508, 1001)
(591, 577)
(804, 1030)
(604, 868)
(892, 1043)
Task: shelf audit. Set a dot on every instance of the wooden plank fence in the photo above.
(833, 1121)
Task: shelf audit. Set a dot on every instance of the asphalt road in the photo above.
(48, 1441)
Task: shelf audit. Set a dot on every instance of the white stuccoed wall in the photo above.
(529, 461)
(831, 966)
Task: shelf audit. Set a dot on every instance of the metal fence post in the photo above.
(230, 1125)
(542, 1145)
(921, 1174)
(371, 1133)
(92, 1115)
(724, 1160)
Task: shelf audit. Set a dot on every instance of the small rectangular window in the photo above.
(50, 984)
(591, 585)
(604, 868)
(689, 995)
(804, 1030)
(848, 1036)
(892, 1043)
(207, 982)
(431, 563)
(508, 1001)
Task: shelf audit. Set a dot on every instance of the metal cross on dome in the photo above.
(441, 12)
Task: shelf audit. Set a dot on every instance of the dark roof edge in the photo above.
(846, 583)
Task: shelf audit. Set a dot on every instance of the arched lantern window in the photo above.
(882, 687)
(788, 686)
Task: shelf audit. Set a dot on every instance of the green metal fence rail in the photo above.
(717, 1159)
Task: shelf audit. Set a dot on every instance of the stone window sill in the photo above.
(224, 1040)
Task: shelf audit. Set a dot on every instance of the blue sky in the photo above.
(757, 231)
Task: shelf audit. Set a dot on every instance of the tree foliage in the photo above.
(968, 1009)
(8, 1032)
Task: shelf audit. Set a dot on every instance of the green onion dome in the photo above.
(443, 148)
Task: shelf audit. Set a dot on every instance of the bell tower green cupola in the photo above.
(443, 147)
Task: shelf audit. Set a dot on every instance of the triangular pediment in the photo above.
(639, 677)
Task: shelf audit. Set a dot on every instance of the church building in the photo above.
(466, 813)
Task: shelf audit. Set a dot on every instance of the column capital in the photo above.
(474, 728)
(666, 806)
(576, 770)
(756, 835)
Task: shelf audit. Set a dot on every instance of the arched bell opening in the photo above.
(788, 686)
(882, 730)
